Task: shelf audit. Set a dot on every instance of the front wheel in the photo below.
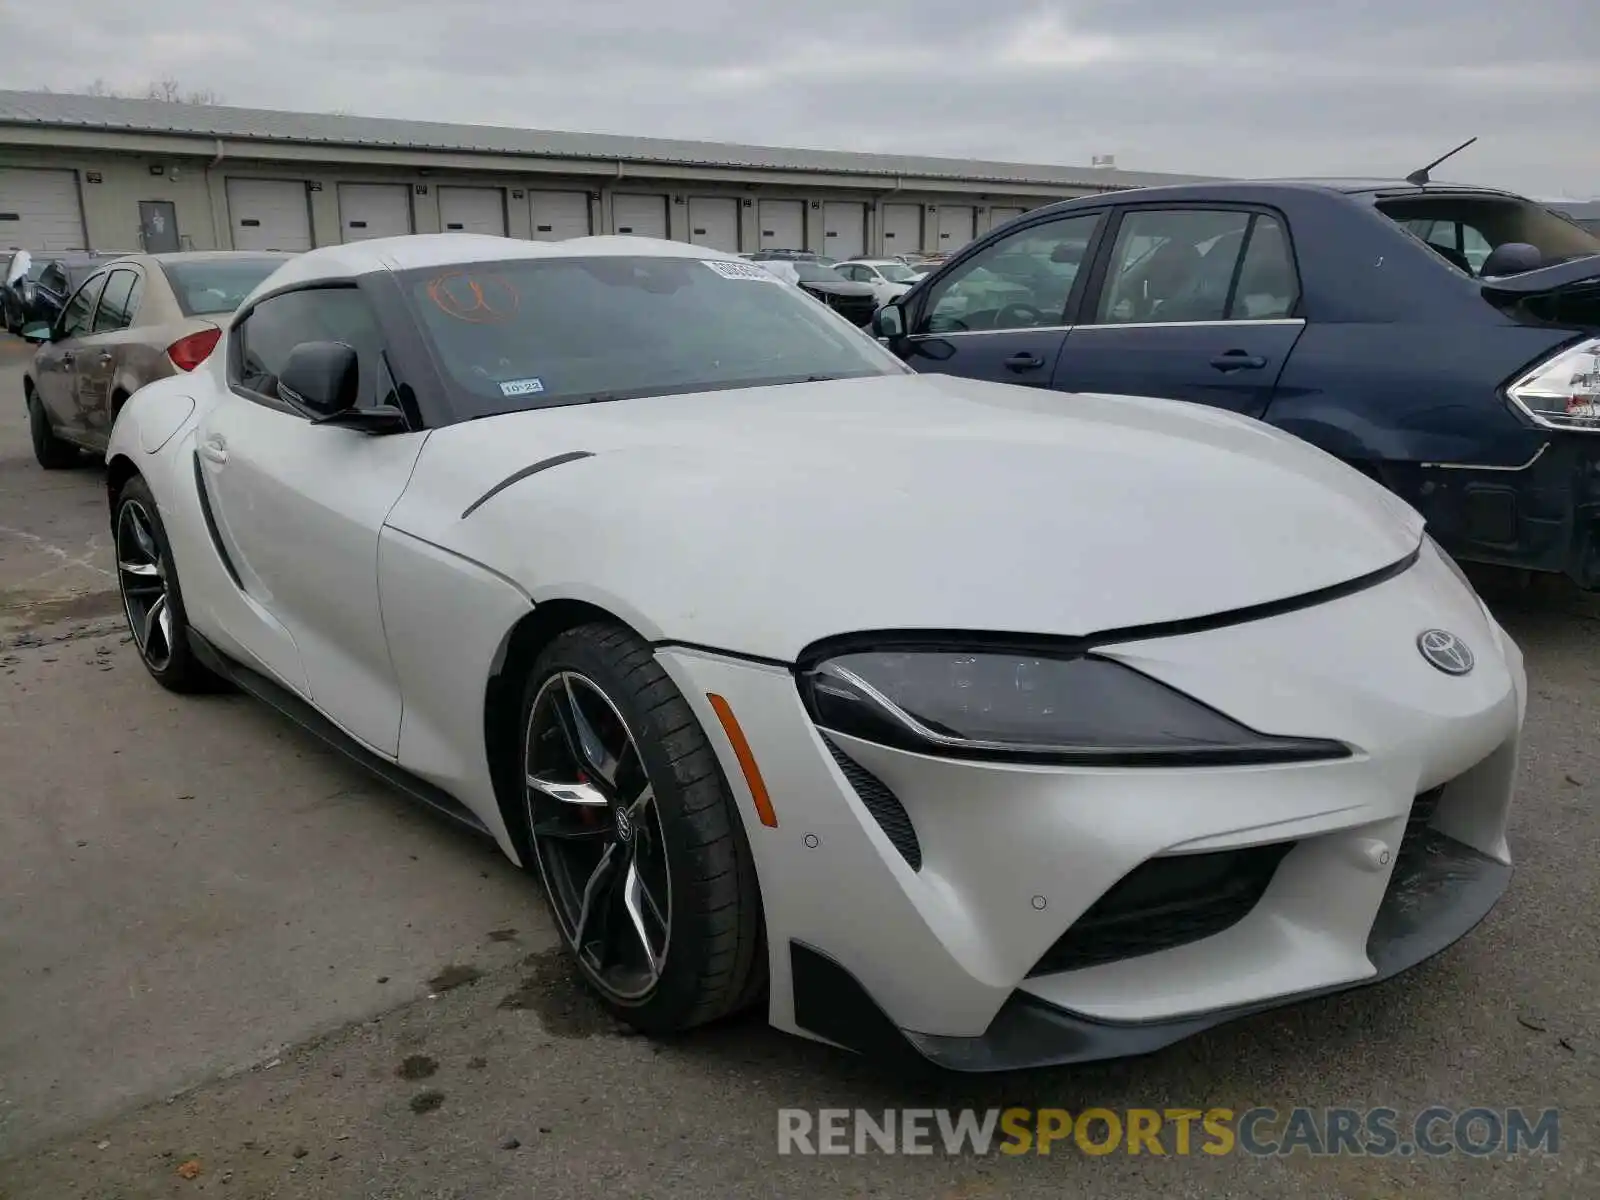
(636, 835)
(151, 598)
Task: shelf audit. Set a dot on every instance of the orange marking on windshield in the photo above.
(489, 300)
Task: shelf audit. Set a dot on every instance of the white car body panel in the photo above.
(1034, 500)
(733, 529)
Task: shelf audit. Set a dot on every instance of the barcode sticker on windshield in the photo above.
(739, 270)
(521, 387)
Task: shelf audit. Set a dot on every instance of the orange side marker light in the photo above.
(747, 760)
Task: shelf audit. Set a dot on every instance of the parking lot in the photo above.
(230, 962)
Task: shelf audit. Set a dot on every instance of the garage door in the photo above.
(374, 210)
(473, 210)
(39, 210)
(999, 214)
(714, 221)
(558, 215)
(844, 230)
(955, 226)
(269, 214)
(902, 228)
(783, 224)
(639, 216)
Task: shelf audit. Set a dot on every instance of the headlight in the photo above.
(1563, 392)
(1033, 707)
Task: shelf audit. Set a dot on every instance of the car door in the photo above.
(101, 352)
(298, 506)
(1000, 312)
(56, 364)
(1189, 303)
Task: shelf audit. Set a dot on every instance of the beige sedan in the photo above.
(135, 320)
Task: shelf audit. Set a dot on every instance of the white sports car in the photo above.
(947, 718)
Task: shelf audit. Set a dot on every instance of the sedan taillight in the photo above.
(187, 353)
(1563, 392)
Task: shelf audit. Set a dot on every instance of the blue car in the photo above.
(1445, 340)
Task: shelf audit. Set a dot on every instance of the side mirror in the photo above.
(321, 377)
(889, 322)
(36, 331)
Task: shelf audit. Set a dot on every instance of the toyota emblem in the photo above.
(1445, 651)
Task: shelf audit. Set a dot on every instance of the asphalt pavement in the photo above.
(230, 963)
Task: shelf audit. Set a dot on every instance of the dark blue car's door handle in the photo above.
(1024, 362)
(1238, 360)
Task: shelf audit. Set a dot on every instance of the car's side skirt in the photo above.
(308, 718)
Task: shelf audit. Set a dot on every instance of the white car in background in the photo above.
(889, 277)
(931, 717)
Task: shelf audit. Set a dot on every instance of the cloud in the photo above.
(1231, 87)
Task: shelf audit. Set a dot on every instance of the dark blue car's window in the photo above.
(1019, 282)
(1174, 266)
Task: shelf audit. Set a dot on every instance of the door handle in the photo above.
(68, 358)
(214, 450)
(1024, 362)
(106, 356)
(1238, 360)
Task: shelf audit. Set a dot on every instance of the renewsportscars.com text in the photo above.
(1177, 1132)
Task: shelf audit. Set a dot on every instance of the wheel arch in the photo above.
(119, 470)
(502, 698)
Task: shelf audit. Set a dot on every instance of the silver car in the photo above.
(136, 319)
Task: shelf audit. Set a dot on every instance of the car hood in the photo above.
(759, 520)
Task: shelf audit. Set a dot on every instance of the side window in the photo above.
(1268, 288)
(857, 274)
(1022, 281)
(54, 279)
(116, 303)
(1172, 265)
(75, 317)
(271, 330)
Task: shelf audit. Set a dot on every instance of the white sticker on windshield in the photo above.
(739, 270)
(521, 387)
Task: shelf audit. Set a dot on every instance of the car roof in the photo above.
(1247, 190)
(184, 256)
(421, 250)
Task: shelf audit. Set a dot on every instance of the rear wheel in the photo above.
(53, 453)
(151, 598)
(636, 835)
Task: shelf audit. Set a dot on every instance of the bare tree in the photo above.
(169, 90)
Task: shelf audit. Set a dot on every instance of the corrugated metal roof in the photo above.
(58, 110)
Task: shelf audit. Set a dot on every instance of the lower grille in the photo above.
(1166, 902)
(883, 804)
(1414, 845)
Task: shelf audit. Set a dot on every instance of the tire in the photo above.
(148, 582)
(665, 816)
(52, 453)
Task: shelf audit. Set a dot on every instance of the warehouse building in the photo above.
(112, 175)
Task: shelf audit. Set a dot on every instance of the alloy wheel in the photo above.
(597, 835)
(142, 577)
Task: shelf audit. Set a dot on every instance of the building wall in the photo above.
(112, 184)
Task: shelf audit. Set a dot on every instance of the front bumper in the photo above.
(947, 952)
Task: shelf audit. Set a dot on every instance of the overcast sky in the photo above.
(1230, 87)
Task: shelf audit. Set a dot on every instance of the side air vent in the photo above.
(883, 804)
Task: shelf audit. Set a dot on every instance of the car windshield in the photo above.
(206, 287)
(1465, 230)
(815, 272)
(895, 272)
(534, 333)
